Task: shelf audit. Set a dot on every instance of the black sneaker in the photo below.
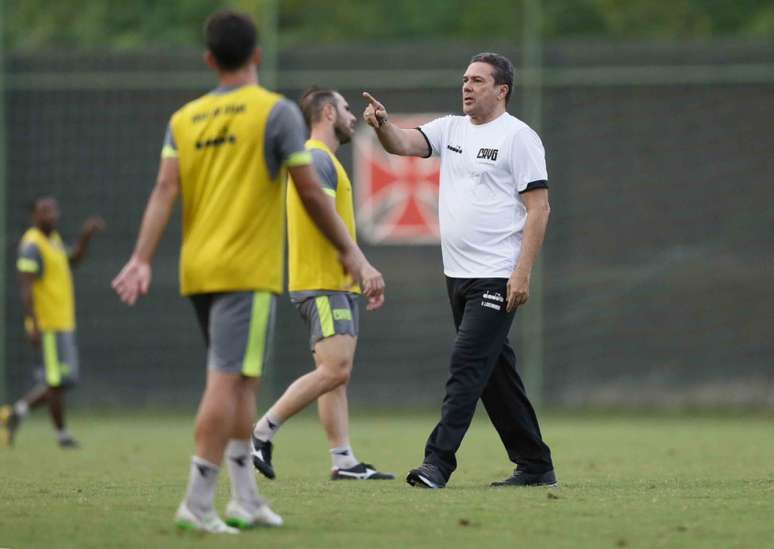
(262, 457)
(69, 443)
(523, 478)
(361, 471)
(426, 475)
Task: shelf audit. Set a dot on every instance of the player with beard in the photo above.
(325, 296)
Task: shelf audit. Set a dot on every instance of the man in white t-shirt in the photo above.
(493, 210)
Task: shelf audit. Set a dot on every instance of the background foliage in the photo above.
(138, 24)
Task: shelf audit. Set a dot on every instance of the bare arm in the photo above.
(158, 210)
(538, 211)
(26, 281)
(134, 279)
(395, 140)
(321, 208)
(92, 226)
(322, 211)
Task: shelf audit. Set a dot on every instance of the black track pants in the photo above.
(483, 365)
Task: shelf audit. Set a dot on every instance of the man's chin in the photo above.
(344, 137)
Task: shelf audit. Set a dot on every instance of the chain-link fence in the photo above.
(657, 272)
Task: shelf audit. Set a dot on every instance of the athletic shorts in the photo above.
(59, 359)
(238, 328)
(326, 315)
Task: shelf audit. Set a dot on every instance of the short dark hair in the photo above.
(32, 205)
(231, 36)
(313, 102)
(503, 69)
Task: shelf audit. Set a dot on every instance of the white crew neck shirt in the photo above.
(484, 168)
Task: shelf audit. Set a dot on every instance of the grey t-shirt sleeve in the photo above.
(30, 259)
(169, 147)
(285, 137)
(325, 169)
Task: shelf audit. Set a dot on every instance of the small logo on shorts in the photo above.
(492, 300)
(342, 314)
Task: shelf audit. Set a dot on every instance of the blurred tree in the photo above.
(138, 24)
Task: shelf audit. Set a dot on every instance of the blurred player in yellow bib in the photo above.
(325, 296)
(46, 287)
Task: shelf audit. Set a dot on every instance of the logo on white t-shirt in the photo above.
(481, 213)
(487, 154)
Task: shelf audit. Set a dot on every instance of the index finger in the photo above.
(371, 99)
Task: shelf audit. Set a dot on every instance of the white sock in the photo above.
(62, 434)
(267, 427)
(202, 482)
(21, 409)
(343, 457)
(240, 470)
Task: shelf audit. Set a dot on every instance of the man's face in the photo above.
(46, 214)
(480, 95)
(344, 126)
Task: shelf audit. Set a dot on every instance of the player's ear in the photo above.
(209, 60)
(329, 110)
(257, 57)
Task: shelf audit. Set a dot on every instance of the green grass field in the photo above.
(625, 482)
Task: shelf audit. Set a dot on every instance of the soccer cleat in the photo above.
(9, 423)
(426, 475)
(262, 457)
(242, 517)
(361, 471)
(69, 443)
(523, 478)
(210, 522)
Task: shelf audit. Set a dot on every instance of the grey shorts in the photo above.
(328, 314)
(60, 359)
(238, 329)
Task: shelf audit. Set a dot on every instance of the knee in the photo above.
(336, 373)
(466, 352)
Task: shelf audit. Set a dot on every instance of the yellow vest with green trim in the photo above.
(313, 262)
(52, 290)
(233, 210)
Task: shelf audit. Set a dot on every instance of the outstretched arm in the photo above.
(395, 140)
(135, 278)
(91, 226)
